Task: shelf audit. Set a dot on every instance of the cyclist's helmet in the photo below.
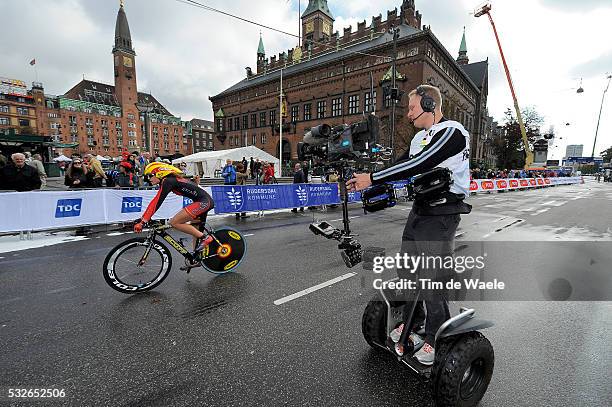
(161, 170)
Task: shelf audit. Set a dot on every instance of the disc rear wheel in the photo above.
(225, 253)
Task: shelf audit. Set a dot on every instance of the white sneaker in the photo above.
(426, 355)
(417, 341)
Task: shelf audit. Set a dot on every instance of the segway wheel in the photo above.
(373, 323)
(462, 370)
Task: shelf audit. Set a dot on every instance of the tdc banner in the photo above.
(247, 198)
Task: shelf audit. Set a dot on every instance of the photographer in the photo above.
(431, 225)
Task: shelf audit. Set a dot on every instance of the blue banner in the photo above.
(248, 198)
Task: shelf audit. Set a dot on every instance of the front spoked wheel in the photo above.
(225, 253)
(137, 265)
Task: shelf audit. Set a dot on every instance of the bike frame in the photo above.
(161, 231)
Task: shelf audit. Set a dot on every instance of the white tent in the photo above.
(206, 163)
(62, 158)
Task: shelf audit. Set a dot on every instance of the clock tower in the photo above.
(317, 22)
(125, 65)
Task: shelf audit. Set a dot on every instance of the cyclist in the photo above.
(171, 179)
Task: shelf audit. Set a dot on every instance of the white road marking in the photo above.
(59, 290)
(249, 234)
(338, 220)
(487, 235)
(527, 209)
(115, 234)
(313, 289)
(536, 213)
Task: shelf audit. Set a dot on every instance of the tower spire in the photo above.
(463, 59)
(260, 48)
(123, 39)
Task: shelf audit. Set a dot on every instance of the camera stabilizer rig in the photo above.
(340, 149)
(351, 249)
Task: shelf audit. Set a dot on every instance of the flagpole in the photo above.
(280, 127)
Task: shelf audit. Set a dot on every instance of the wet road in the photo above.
(208, 340)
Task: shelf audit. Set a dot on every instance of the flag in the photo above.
(33, 62)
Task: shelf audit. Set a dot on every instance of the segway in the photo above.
(464, 358)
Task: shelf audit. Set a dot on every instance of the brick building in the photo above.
(202, 135)
(329, 78)
(104, 118)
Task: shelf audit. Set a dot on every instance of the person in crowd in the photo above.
(36, 162)
(298, 178)
(252, 167)
(125, 179)
(306, 170)
(95, 170)
(229, 173)
(18, 176)
(76, 175)
(241, 178)
(257, 170)
(245, 164)
(268, 173)
(111, 177)
(2, 159)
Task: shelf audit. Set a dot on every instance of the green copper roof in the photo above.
(389, 76)
(317, 5)
(463, 47)
(220, 113)
(260, 48)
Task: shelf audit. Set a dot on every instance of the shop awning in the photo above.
(24, 138)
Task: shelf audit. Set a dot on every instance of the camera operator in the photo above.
(430, 228)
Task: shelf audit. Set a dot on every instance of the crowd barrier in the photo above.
(43, 210)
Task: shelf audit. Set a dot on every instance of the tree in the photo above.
(607, 155)
(509, 148)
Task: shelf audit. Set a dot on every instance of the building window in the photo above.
(272, 117)
(353, 104)
(231, 141)
(263, 138)
(209, 136)
(131, 133)
(321, 109)
(307, 111)
(4, 121)
(132, 125)
(236, 123)
(336, 107)
(24, 122)
(253, 120)
(220, 125)
(230, 124)
(369, 102)
(253, 139)
(245, 121)
(130, 116)
(262, 119)
(5, 109)
(294, 113)
(24, 111)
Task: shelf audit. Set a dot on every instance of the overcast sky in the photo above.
(186, 54)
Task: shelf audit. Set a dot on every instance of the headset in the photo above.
(428, 104)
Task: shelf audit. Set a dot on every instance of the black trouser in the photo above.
(430, 236)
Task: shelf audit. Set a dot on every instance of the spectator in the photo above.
(124, 178)
(96, 172)
(229, 173)
(241, 178)
(244, 165)
(37, 163)
(258, 171)
(76, 175)
(252, 168)
(2, 160)
(268, 174)
(305, 169)
(298, 178)
(18, 176)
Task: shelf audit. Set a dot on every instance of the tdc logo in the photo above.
(67, 208)
(131, 204)
(187, 201)
(235, 198)
(302, 194)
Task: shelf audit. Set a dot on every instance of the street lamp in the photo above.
(146, 108)
(609, 77)
(486, 9)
